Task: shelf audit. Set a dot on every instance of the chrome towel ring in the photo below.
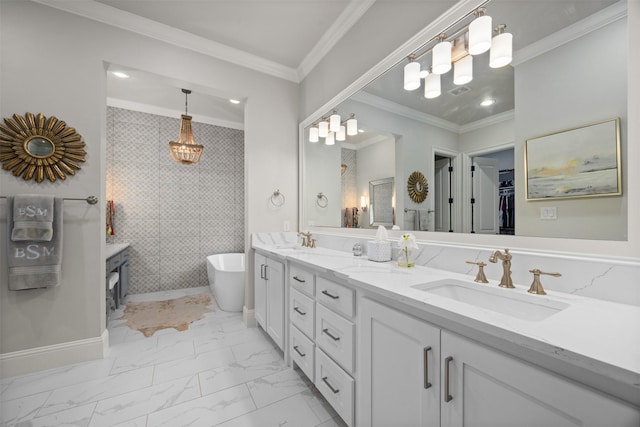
(277, 199)
(322, 200)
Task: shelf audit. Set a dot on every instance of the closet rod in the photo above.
(92, 200)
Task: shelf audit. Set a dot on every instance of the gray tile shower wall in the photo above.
(173, 215)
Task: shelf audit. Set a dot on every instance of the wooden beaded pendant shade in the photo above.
(185, 150)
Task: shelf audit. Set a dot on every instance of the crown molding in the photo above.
(347, 19)
(128, 21)
(491, 120)
(572, 32)
(167, 112)
(365, 142)
(401, 110)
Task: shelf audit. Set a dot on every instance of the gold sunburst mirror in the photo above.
(417, 187)
(35, 147)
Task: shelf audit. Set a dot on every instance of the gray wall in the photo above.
(597, 92)
(173, 215)
(56, 65)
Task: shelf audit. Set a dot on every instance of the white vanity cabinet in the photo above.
(399, 368)
(488, 387)
(413, 373)
(269, 281)
(322, 336)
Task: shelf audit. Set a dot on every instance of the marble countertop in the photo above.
(594, 336)
(114, 248)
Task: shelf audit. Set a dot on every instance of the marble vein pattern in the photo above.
(218, 372)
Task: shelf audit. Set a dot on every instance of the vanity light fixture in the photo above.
(463, 70)
(480, 32)
(432, 86)
(412, 74)
(501, 48)
(185, 150)
(441, 58)
(330, 139)
(324, 128)
(457, 46)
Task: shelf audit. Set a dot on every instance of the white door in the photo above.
(485, 193)
(441, 195)
(260, 289)
(398, 365)
(489, 388)
(275, 301)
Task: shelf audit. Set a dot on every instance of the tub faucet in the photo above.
(505, 257)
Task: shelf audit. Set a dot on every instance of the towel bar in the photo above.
(92, 200)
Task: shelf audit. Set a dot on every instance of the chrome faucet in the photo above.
(505, 257)
(307, 241)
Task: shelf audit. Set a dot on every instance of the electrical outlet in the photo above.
(286, 226)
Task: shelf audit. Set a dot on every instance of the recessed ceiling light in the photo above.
(488, 102)
(234, 101)
(120, 74)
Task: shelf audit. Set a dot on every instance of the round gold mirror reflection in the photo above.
(38, 146)
(417, 187)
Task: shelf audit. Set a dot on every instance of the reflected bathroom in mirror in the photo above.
(469, 141)
(381, 202)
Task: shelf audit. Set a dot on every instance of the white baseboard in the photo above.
(248, 317)
(53, 356)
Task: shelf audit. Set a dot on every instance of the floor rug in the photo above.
(149, 317)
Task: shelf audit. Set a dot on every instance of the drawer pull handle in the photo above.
(427, 384)
(300, 312)
(334, 390)
(297, 279)
(330, 295)
(333, 337)
(295, 347)
(447, 394)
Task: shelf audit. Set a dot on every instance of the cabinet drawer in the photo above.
(335, 335)
(303, 352)
(302, 312)
(338, 297)
(113, 262)
(336, 386)
(302, 280)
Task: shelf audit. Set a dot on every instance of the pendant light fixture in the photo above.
(330, 139)
(341, 135)
(323, 129)
(185, 150)
(501, 48)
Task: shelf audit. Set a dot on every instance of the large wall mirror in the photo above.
(469, 141)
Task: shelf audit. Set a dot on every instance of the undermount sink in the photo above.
(504, 301)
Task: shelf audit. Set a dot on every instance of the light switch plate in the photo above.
(548, 213)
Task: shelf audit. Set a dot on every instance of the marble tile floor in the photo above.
(216, 373)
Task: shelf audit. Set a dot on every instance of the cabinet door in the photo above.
(124, 280)
(489, 388)
(260, 289)
(275, 301)
(398, 369)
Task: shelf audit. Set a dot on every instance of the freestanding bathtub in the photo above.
(226, 279)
